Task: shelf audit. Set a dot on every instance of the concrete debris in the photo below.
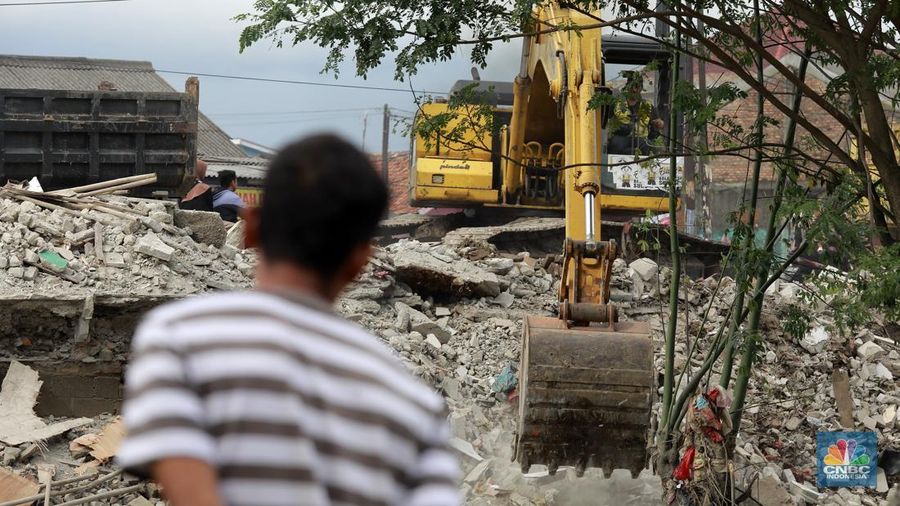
(153, 246)
(645, 268)
(206, 227)
(870, 351)
(18, 396)
(452, 312)
(438, 272)
(815, 340)
(465, 448)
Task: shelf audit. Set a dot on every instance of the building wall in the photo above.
(730, 174)
(398, 180)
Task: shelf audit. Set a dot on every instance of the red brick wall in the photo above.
(734, 169)
(398, 176)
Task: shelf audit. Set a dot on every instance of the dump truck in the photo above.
(74, 138)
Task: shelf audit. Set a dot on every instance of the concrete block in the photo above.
(115, 260)
(870, 351)
(645, 268)
(29, 273)
(151, 245)
(162, 217)
(206, 227)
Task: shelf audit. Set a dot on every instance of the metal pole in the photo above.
(365, 124)
(385, 134)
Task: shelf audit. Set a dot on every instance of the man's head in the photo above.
(200, 170)
(228, 179)
(634, 85)
(322, 201)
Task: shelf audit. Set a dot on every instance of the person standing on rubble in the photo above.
(200, 196)
(225, 201)
(267, 397)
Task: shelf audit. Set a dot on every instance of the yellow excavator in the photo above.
(586, 379)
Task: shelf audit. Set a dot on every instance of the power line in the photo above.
(60, 2)
(281, 113)
(279, 121)
(305, 83)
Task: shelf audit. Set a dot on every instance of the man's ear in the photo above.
(250, 215)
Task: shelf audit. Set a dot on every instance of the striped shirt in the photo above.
(288, 402)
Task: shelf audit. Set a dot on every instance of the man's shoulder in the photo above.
(201, 319)
(227, 197)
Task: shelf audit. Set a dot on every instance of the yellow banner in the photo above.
(251, 196)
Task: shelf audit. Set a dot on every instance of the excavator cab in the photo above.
(474, 172)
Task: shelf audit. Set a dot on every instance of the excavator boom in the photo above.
(586, 379)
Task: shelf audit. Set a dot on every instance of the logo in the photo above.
(846, 459)
(452, 165)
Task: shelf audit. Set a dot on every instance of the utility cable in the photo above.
(60, 2)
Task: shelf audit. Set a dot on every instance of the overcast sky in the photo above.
(199, 36)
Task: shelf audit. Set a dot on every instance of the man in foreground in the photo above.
(266, 397)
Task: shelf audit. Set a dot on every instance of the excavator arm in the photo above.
(586, 379)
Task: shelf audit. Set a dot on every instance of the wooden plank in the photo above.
(13, 486)
(840, 381)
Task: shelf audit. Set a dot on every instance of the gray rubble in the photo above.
(460, 343)
(453, 314)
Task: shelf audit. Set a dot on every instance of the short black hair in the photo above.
(322, 198)
(226, 177)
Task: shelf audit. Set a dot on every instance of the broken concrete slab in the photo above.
(152, 245)
(18, 396)
(645, 268)
(235, 235)
(431, 275)
(505, 299)
(815, 340)
(770, 491)
(115, 260)
(206, 227)
(870, 351)
(465, 448)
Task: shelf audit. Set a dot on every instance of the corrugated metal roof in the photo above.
(64, 73)
(245, 168)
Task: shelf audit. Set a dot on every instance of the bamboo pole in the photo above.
(55, 207)
(61, 491)
(105, 495)
(105, 184)
(669, 374)
(125, 186)
(749, 350)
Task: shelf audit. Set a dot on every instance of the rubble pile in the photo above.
(453, 314)
(50, 251)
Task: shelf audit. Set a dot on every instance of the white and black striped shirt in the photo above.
(288, 402)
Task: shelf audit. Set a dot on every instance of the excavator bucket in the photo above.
(585, 395)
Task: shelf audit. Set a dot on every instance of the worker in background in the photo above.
(200, 197)
(268, 397)
(225, 201)
(636, 121)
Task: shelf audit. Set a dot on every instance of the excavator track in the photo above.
(585, 395)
